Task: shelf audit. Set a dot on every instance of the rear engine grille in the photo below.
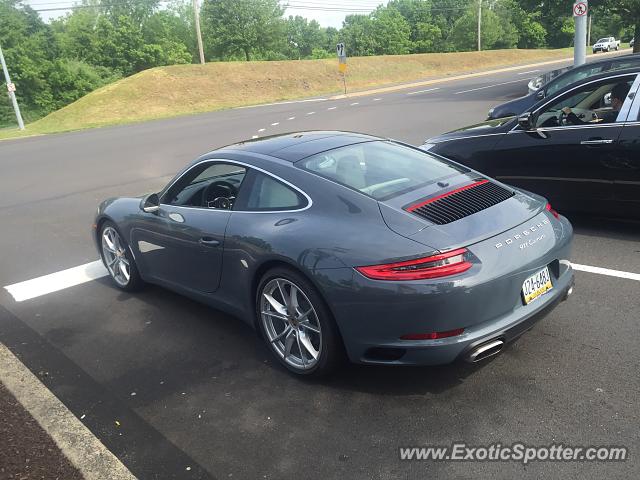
(461, 202)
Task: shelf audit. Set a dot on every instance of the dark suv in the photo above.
(523, 104)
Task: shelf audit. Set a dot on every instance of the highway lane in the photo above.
(207, 395)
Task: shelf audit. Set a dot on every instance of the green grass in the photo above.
(188, 89)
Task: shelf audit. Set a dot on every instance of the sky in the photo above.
(328, 13)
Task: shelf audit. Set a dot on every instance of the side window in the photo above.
(207, 185)
(592, 104)
(267, 194)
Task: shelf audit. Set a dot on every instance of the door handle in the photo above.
(209, 242)
(597, 141)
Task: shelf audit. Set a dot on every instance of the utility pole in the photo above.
(196, 14)
(12, 91)
(479, 24)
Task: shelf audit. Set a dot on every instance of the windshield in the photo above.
(380, 169)
(603, 40)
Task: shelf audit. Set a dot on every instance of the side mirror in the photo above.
(540, 94)
(150, 203)
(525, 122)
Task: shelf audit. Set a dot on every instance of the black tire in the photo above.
(331, 354)
(134, 282)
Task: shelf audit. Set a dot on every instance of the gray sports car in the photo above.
(334, 243)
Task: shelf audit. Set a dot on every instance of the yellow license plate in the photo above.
(536, 285)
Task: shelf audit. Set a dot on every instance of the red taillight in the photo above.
(432, 336)
(435, 266)
(552, 211)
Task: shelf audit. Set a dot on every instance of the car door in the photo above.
(184, 242)
(571, 164)
(627, 180)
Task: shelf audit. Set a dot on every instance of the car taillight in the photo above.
(432, 336)
(435, 266)
(552, 211)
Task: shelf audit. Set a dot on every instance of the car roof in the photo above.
(298, 145)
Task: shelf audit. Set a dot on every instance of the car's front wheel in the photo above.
(296, 324)
(118, 259)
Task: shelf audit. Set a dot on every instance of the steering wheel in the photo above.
(222, 193)
(562, 118)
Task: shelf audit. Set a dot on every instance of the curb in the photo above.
(75, 440)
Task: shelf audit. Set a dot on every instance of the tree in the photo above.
(357, 33)
(391, 32)
(303, 36)
(425, 34)
(629, 10)
(494, 33)
(521, 27)
(231, 27)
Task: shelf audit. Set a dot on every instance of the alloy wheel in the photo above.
(115, 256)
(291, 323)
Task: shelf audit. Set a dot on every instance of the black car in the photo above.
(572, 147)
(571, 76)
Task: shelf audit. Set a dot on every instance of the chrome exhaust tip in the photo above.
(485, 350)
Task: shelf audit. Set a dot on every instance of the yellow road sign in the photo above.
(342, 67)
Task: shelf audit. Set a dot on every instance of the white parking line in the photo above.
(354, 104)
(275, 124)
(424, 91)
(487, 86)
(332, 108)
(377, 99)
(71, 277)
(310, 113)
(262, 130)
(291, 118)
(529, 71)
(606, 271)
(56, 281)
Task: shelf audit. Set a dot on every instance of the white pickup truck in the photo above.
(606, 44)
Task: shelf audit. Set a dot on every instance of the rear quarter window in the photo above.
(268, 194)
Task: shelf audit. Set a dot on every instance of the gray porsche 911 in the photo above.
(334, 244)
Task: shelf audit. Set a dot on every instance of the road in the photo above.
(195, 393)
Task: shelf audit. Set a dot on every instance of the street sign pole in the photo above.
(342, 64)
(580, 10)
(12, 91)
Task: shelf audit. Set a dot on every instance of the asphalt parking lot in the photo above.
(194, 392)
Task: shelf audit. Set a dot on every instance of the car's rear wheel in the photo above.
(296, 324)
(117, 257)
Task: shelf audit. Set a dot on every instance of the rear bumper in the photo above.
(448, 350)
(485, 301)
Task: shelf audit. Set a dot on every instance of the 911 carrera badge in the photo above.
(526, 235)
